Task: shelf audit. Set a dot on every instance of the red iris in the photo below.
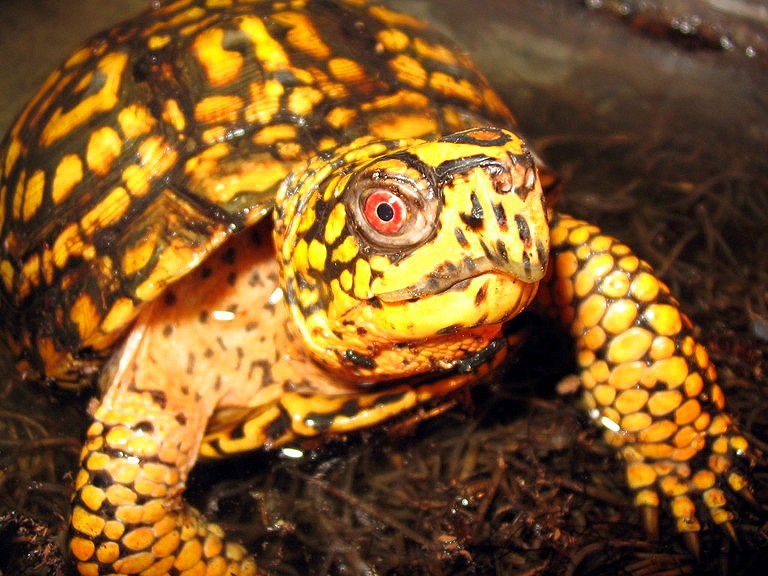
(385, 211)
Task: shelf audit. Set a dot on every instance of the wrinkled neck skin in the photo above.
(371, 305)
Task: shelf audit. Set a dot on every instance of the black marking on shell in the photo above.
(501, 248)
(279, 426)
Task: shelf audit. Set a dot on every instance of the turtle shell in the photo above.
(157, 140)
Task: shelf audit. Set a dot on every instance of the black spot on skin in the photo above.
(255, 279)
(229, 256)
(159, 398)
(360, 360)
(101, 479)
(169, 298)
(523, 230)
(480, 358)
(463, 242)
(168, 330)
(181, 418)
(481, 295)
(220, 342)
(501, 215)
(205, 272)
(203, 316)
(474, 220)
(266, 371)
(251, 326)
(208, 353)
(361, 331)
(232, 278)
(190, 363)
(217, 383)
(501, 248)
(144, 426)
(279, 426)
(240, 356)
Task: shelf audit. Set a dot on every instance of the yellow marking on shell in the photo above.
(269, 51)
(630, 345)
(68, 243)
(275, 133)
(30, 276)
(409, 70)
(156, 157)
(78, 57)
(83, 83)
(85, 315)
(390, 126)
(33, 194)
(173, 115)
(453, 87)
(303, 35)
(158, 41)
(173, 259)
(12, 154)
(316, 254)
(362, 284)
(135, 120)
(436, 52)
(341, 116)
(346, 70)
(221, 66)
(18, 195)
(190, 15)
(218, 109)
(62, 123)
(302, 100)
(396, 19)
(393, 39)
(265, 101)
(7, 274)
(121, 312)
(104, 146)
(401, 99)
(337, 220)
(346, 251)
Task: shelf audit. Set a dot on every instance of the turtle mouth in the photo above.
(445, 278)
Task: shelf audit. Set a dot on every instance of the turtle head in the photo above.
(406, 257)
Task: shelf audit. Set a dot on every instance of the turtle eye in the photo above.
(385, 211)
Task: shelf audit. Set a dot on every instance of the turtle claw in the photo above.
(693, 544)
(650, 518)
(745, 494)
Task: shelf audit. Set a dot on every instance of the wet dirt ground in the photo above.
(656, 117)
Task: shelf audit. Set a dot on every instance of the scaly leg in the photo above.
(645, 378)
(128, 516)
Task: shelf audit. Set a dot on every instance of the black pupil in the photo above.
(385, 212)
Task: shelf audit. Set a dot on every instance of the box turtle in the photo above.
(258, 221)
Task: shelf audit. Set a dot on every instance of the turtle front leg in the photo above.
(645, 378)
(128, 515)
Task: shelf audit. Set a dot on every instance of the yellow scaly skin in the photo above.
(132, 192)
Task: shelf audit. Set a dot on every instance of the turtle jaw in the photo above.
(454, 305)
(451, 277)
